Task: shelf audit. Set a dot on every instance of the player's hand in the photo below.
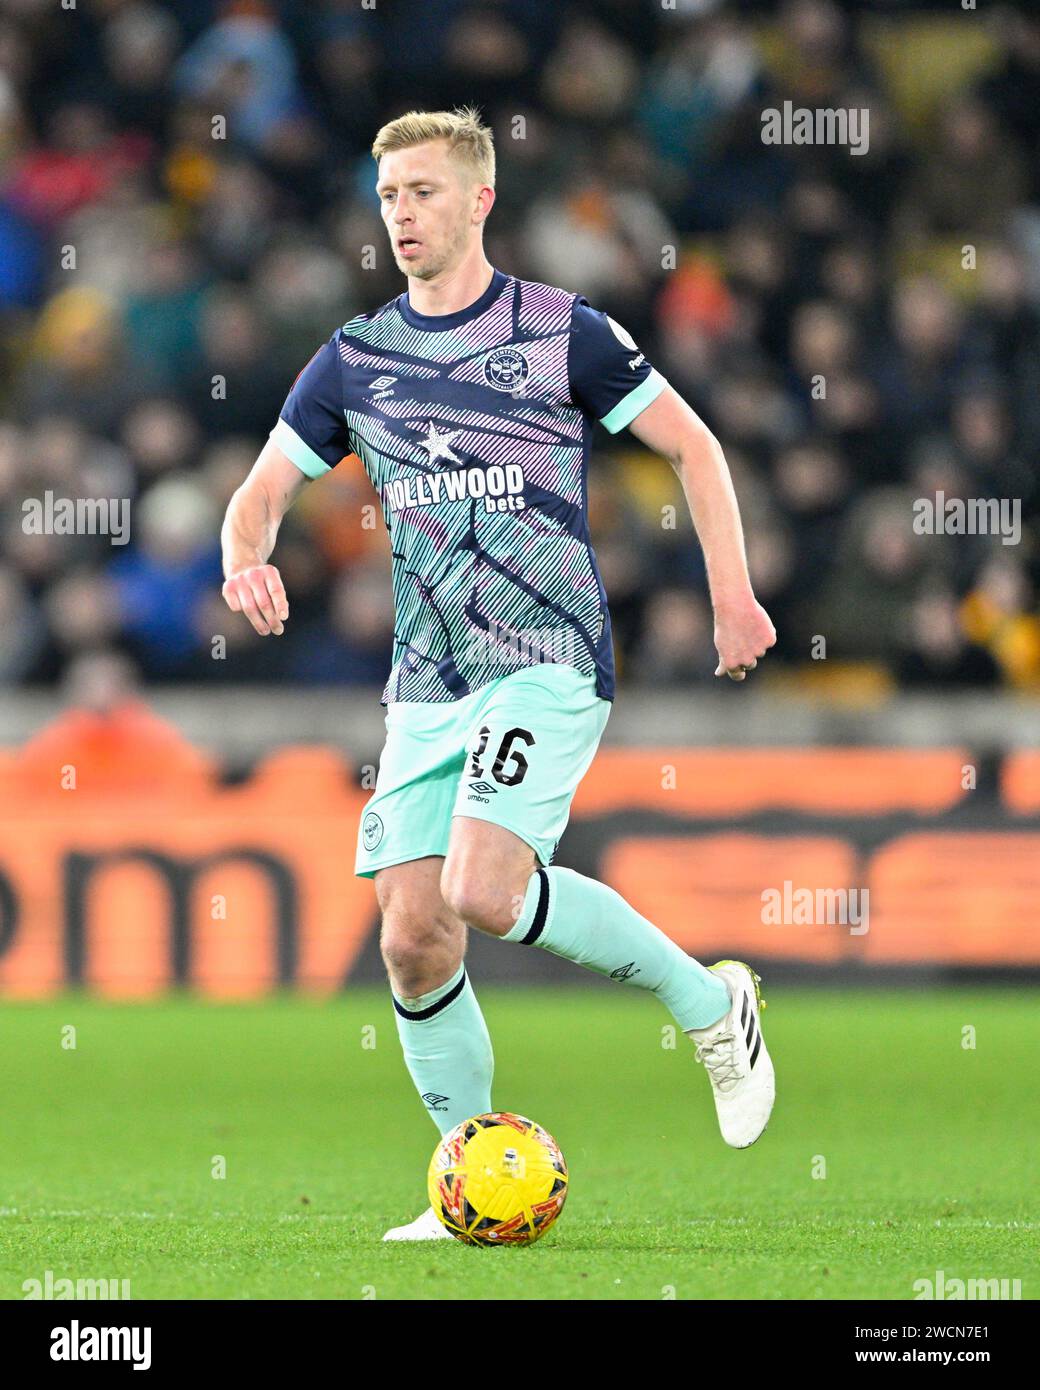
(743, 633)
(259, 593)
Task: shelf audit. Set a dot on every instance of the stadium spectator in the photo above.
(109, 741)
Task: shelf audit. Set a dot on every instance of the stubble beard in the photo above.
(435, 264)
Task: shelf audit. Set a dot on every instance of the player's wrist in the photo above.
(240, 564)
(732, 598)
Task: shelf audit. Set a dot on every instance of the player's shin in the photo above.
(584, 921)
(447, 1050)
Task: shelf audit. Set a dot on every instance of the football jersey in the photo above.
(475, 429)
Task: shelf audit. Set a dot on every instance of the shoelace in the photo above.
(721, 1061)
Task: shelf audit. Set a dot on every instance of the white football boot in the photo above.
(425, 1227)
(734, 1053)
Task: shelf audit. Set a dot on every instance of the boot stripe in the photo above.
(758, 1044)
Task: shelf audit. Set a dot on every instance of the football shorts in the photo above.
(512, 752)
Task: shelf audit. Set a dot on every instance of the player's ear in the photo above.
(485, 202)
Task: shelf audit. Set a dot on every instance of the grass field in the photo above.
(107, 1150)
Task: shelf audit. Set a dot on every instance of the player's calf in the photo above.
(443, 1035)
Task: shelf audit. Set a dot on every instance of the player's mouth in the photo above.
(408, 246)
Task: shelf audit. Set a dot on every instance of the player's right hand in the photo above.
(259, 593)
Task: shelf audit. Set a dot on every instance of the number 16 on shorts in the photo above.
(506, 765)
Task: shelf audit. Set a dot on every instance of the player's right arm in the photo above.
(254, 514)
(308, 440)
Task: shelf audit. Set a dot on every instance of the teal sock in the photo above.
(587, 922)
(447, 1050)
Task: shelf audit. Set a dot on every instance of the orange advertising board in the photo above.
(238, 890)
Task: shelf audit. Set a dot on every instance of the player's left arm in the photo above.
(743, 631)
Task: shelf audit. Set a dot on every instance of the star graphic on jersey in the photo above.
(437, 444)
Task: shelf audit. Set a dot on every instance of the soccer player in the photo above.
(470, 399)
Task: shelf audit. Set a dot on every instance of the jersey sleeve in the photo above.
(312, 427)
(610, 379)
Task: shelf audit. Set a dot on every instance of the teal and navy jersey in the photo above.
(475, 429)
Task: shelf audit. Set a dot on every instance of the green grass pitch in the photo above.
(107, 1150)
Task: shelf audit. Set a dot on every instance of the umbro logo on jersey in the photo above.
(483, 787)
(381, 387)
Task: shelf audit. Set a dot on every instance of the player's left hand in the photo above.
(743, 633)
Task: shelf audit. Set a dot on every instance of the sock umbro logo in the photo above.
(625, 972)
(433, 1100)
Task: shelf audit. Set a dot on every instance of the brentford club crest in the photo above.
(506, 369)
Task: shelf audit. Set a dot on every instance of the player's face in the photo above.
(427, 203)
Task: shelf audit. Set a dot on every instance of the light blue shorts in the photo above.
(512, 752)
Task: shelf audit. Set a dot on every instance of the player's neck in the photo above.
(453, 289)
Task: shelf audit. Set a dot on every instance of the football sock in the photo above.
(587, 922)
(447, 1050)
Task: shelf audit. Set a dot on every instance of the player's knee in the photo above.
(480, 903)
(414, 950)
(418, 937)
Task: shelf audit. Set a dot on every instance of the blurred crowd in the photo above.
(187, 212)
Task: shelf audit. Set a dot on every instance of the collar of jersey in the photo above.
(433, 323)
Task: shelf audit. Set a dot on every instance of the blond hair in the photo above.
(470, 141)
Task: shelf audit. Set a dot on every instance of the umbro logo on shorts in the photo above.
(483, 787)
